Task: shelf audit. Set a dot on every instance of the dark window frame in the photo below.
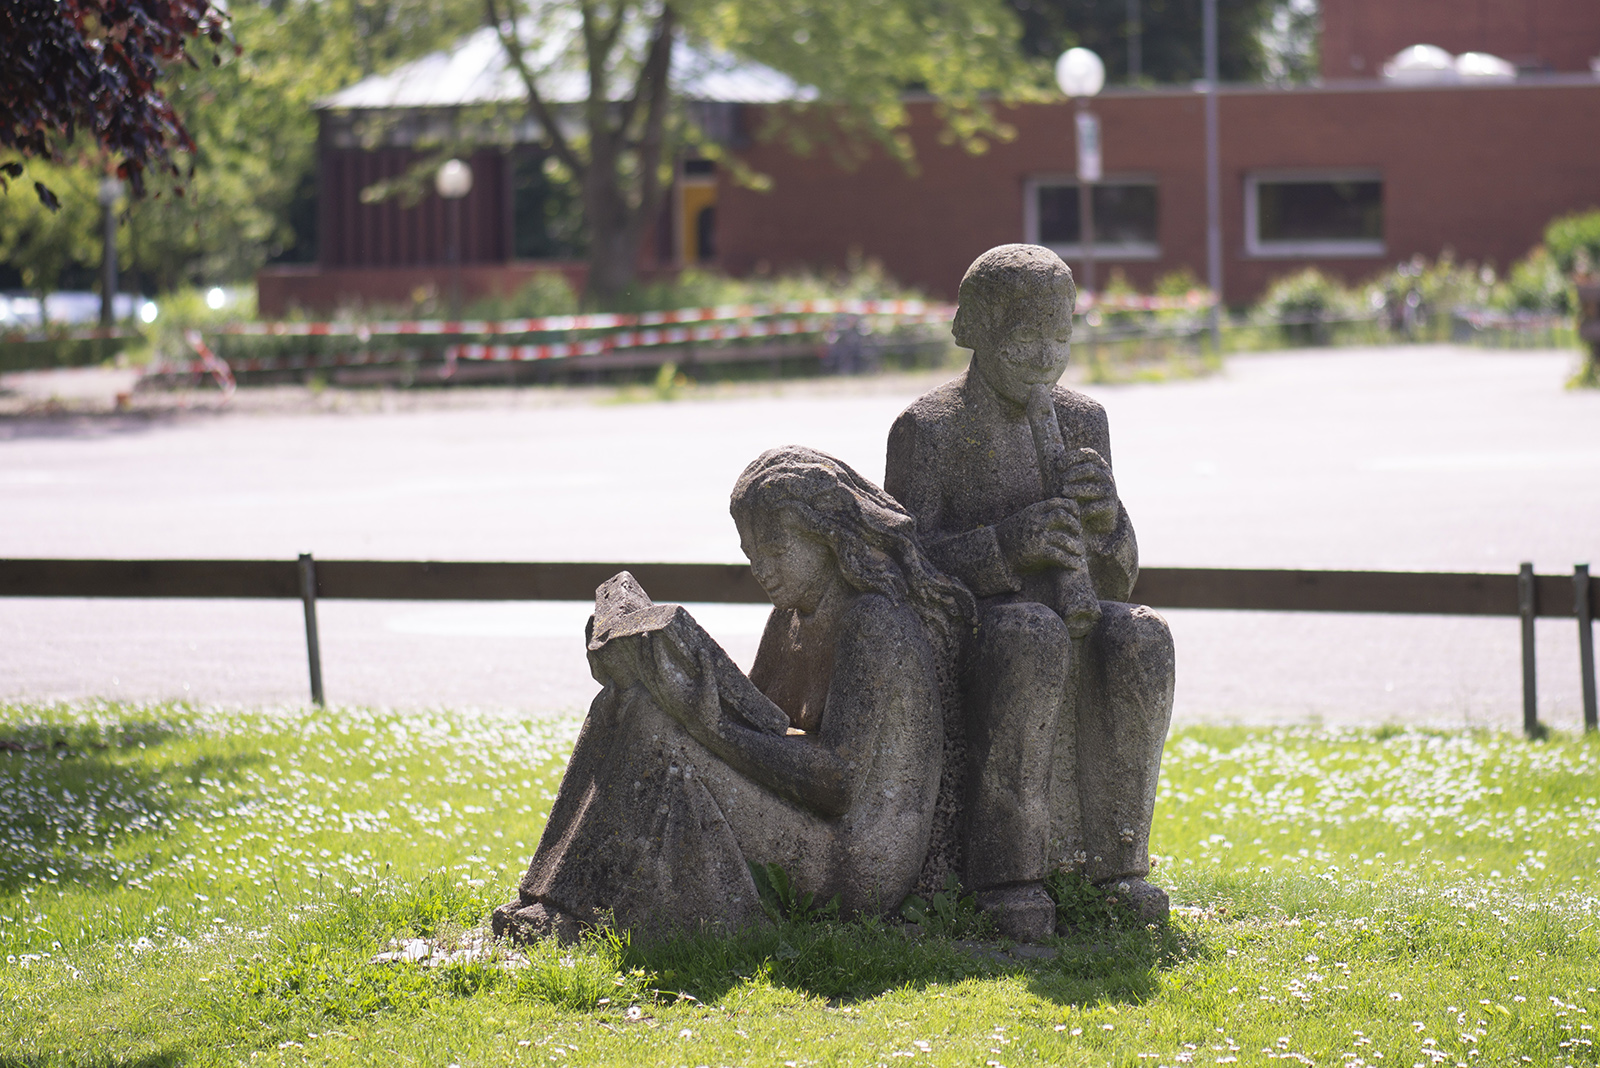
(1103, 250)
(1257, 246)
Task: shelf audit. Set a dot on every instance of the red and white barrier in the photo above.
(649, 330)
(1194, 300)
(640, 339)
(610, 332)
(562, 324)
(209, 364)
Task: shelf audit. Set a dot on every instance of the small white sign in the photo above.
(1088, 147)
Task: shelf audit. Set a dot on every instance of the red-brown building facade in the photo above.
(1350, 178)
(1536, 36)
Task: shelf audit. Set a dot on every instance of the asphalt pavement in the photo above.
(1405, 458)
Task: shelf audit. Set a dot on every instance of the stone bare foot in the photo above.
(527, 924)
(1148, 902)
(1021, 913)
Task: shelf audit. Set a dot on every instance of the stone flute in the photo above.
(1076, 601)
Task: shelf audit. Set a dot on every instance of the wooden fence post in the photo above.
(308, 598)
(1584, 610)
(1527, 608)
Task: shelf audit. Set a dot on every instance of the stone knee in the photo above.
(1134, 632)
(1130, 660)
(1124, 710)
(1010, 634)
(1015, 684)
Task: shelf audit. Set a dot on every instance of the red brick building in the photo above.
(1350, 176)
(387, 130)
(1538, 36)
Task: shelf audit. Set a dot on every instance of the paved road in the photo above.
(1401, 458)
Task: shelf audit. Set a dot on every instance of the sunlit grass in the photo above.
(198, 886)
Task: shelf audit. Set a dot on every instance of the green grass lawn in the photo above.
(199, 886)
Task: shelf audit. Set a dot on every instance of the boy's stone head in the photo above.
(1015, 314)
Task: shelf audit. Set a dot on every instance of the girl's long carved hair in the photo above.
(873, 538)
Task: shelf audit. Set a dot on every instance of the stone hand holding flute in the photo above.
(1080, 497)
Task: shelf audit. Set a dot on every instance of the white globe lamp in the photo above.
(454, 179)
(1080, 73)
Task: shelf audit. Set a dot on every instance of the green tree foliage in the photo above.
(1536, 283)
(1291, 42)
(860, 58)
(1574, 242)
(91, 69)
(255, 130)
(40, 243)
(1303, 306)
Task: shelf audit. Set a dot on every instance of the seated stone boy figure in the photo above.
(1067, 689)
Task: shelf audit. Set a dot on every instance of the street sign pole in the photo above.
(1088, 124)
(1213, 181)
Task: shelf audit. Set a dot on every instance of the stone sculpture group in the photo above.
(951, 683)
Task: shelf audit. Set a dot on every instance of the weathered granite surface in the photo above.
(1067, 688)
(826, 760)
(894, 728)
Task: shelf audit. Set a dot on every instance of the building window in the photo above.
(1322, 213)
(1125, 217)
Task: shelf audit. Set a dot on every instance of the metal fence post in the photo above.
(1527, 607)
(308, 598)
(1583, 609)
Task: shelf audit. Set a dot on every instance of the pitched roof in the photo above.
(476, 71)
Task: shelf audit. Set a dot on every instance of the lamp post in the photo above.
(1081, 75)
(110, 192)
(1213, 180)
(1135, 44)
(453, 182)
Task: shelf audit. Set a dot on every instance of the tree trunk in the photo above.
(621, 177)
(621, 209)
(613, 238)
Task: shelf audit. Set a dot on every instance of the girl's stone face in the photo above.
(793, 567)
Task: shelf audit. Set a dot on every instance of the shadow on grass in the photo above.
(1114, 965)
(73, 796)
(81, 739)
(163, 1058)
(845, 962)
(321, 969)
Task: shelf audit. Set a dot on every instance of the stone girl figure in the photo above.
(826, 760)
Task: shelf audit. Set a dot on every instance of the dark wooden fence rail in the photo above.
(369, 580)
(1525, 595)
